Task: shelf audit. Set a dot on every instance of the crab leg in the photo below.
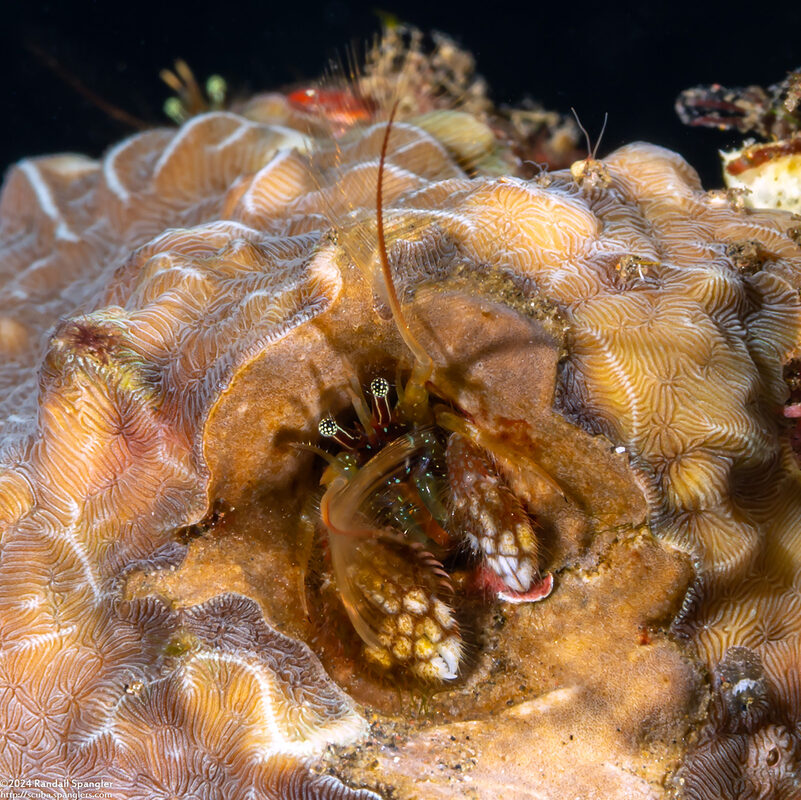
(452, 422)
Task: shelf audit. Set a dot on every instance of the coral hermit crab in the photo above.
(411, 488)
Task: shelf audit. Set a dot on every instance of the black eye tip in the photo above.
(379, 387)
(327, 427)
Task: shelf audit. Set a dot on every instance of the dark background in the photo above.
(630, 59)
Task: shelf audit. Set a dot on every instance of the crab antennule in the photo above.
(360, 406)
(312, 448)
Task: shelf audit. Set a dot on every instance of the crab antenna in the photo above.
(423, 359)
(600, 136)
(583, 130)
(591, 151)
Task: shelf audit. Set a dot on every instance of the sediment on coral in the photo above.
(178, 316)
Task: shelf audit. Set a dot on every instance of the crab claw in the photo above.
(539, 591)
(490, 581)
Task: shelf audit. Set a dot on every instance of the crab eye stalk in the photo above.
(330, 429)
(382, 413)
(379, 388)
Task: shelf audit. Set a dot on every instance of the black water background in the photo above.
(630, 59)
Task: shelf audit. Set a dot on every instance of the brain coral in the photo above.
(175, 317)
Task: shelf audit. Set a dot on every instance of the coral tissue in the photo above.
(176, 315)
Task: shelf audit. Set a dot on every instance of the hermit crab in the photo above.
(413, 490)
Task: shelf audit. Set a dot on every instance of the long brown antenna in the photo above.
(600, 135)
(591, 151)
(423, 359)
(116, 113)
